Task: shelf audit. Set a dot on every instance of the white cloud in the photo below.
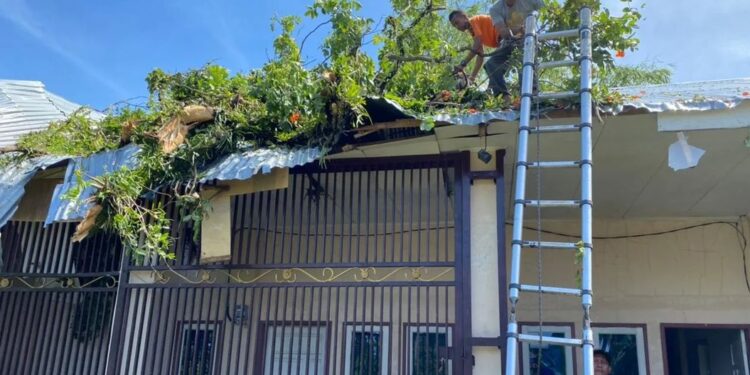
(20, 15)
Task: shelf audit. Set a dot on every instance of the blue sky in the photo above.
(99, 52)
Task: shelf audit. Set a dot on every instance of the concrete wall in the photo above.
(692, 276)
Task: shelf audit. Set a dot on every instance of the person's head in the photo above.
(459, 19)
(602, 363)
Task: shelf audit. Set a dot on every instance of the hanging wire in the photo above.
(738, 227)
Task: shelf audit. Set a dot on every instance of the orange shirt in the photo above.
(482, 27)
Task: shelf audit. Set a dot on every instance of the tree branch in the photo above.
(436, 60)
(302, 45)
(400, 42)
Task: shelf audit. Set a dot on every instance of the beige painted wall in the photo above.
(36, 201)
(694, 276)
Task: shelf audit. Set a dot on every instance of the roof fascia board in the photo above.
(735, 118)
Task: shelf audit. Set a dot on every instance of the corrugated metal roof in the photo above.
(685, 97)
(244, 165)
(13, 180)
(676, 97)
(239, 166)
(91, 166)
(26, 106)
(477, 118)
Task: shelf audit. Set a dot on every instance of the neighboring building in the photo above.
(391, 258)
(27, 106)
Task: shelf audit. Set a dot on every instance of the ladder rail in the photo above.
(529, 57)
(514, 337)
(586, 189)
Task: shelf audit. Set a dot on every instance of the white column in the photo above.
(485, 296)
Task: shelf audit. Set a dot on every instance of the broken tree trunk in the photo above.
(175, 131)
(88, 223)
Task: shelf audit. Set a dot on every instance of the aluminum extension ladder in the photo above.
(514, 337)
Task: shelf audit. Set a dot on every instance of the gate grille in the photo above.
(56, 299)
(356, 268)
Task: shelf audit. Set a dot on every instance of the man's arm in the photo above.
(478, 63)
(476, 49)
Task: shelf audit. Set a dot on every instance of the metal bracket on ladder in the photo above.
(514, 338)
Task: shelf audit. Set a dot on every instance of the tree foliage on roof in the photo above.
(195, 117)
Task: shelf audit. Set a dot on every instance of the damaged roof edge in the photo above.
(92, 166)
(668, 98)
(244, 165)
(13, 180)
(238, 166)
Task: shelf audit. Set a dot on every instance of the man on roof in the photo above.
(509, 16)
(484, 34)
(505, 23)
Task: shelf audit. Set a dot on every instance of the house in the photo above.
(391, 257)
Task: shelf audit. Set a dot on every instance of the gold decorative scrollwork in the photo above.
(419, 273)
(203, 277)
(160, 277)
(238, 278)
(365, 275)
(358, 274)
(324, 275)
(61, 282)
(416, 273)
(288, 276)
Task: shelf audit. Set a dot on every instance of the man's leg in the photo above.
(497, 66)
(492, 69)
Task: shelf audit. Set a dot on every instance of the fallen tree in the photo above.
(193, 118)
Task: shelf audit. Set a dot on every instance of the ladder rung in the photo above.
(552, 203)
(557, 95)
(559, 34)
(555, 129)
(550, 245)
(557, 64)
(554, 164)
(550, 290)
(549, 340)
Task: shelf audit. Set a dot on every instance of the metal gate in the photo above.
(356, 268)
(56, 299)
